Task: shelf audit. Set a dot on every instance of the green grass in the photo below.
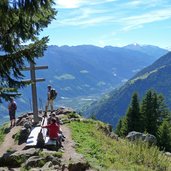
(106, 154)
(3, 132)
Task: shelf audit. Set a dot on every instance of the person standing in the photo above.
(51, 95)
(12, 107)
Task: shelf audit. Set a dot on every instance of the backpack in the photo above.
(53, 94)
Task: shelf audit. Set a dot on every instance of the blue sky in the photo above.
(111, 22)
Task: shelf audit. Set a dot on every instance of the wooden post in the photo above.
(32, 70)
(34, 92)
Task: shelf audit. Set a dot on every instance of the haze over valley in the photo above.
(82, 74)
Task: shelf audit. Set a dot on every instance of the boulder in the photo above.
(107, 129)
(132, 136)
(168, 154)
(47, 165)
(24, 133)
(53, 159)
(3, 169)
(35, 161)
(151, 139)
(24, 119)
(114, 136)
(29, 152)
(27, 124)
(17, 158)
(63, 110)
(80, 166)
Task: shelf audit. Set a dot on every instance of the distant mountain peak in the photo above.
(135, 44)
(168, 48)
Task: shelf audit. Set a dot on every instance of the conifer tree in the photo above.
(123, 131)
(153, 112)
(162, 110)
(119, 127)
(133, 114)
(131, 122)
(149, 112)
(164, 136)
(21, 21)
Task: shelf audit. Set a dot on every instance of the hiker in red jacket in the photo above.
(53, 131)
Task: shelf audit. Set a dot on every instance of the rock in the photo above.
(29, 152)
(63, 110)
(114, 136)
(65, 121)
(168, 154)
(15, 169)
(35, 161)
(3, 169)
(107, 129)
(54, 160)
(75, 119)
(20, 121)
(17, 158)
(27, 124)
(80, 166)
(24, 133)
(47, 165)
(24, 118)
(132, 136)
(150, 139)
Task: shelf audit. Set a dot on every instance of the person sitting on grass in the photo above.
(53, 131)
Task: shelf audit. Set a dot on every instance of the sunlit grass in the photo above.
(106, 154)
(3, 131)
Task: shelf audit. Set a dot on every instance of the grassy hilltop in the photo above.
(107, 154)
(103, 153)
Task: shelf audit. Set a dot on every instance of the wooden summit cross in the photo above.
(33, 80)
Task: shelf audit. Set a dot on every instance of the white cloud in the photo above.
(139, 20)
(144, 3)
(79, 3)
(85, 13)
(85, 21)
(68, 3)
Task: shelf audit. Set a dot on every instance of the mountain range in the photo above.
(83, 73)
(114, 104)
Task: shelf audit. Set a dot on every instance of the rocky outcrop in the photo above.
(64, 110)
(151, 139)
(30, 159)
(80, 166)
(17, 158)
(168, 154)
(108, 131)
(36, 159)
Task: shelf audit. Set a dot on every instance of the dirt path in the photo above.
(9, 143)
(70, 155)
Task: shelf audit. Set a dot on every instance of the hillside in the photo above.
(114, 105)
(89, 146)
(81, 74)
